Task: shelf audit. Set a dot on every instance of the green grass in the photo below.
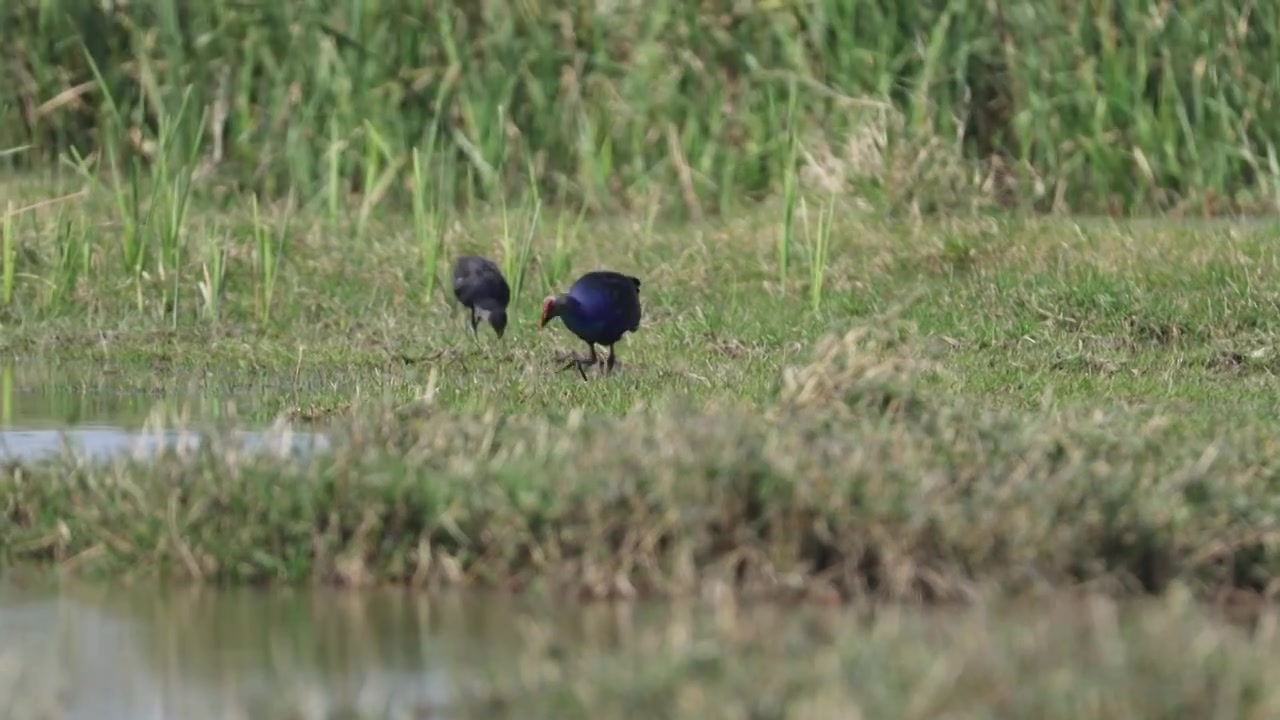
(974, 403)
(1135, 105)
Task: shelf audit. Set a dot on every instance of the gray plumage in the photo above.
(479, 286)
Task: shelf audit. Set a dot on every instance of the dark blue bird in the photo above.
(600, 307)
(479, 286)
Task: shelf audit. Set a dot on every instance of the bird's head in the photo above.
(498, 319)
(550, 309)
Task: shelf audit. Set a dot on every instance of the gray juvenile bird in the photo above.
(479, 286)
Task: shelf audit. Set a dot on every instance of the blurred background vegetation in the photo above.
(1101, 106)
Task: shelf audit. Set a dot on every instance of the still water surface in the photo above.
(43, 414)
(144, 652)
(147, 652)
(116, 653)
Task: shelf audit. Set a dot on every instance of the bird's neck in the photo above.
(567, 307)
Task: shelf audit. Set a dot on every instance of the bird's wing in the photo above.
(492, 286)
(497, 285)
(622, 290)
(468, 278)
(463, 267)
(478, 279)
(461, 281)
(607, 297)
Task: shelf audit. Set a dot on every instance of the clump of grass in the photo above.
(212, 279)
(818, 246)
(516, 254)
(429, 228)
(868, 367)
(269, 247)
(789, 197)
(9, 254)
(556, 269)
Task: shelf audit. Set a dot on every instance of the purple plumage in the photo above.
(599, 308)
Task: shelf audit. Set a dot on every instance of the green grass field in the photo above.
(912, 410)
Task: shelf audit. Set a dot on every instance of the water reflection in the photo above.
(41, 414)
(38, 396)
(102, 443)
(147, 653)
(136, 655)
(151, 652)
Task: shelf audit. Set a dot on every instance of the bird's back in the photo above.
(476, 279)
(610, 303)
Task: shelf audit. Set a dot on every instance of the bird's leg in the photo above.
(593, 361)
(575, 361)
(475, 321)
(453, 316)
(610, 362)
(579, 362)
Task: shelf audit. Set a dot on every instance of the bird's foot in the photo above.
(610, 363)
(573, 360)
(570, 359)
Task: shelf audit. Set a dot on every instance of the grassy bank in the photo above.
(856, 484)
(874, 495)
(954, 405)
(1133, 104)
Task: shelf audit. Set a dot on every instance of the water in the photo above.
(102, 442)
(43, 413)
(143, 654)
(149, 653)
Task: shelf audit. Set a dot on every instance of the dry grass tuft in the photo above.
(868, 366)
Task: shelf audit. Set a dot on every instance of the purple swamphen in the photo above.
(479, 286)
(600, 307)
